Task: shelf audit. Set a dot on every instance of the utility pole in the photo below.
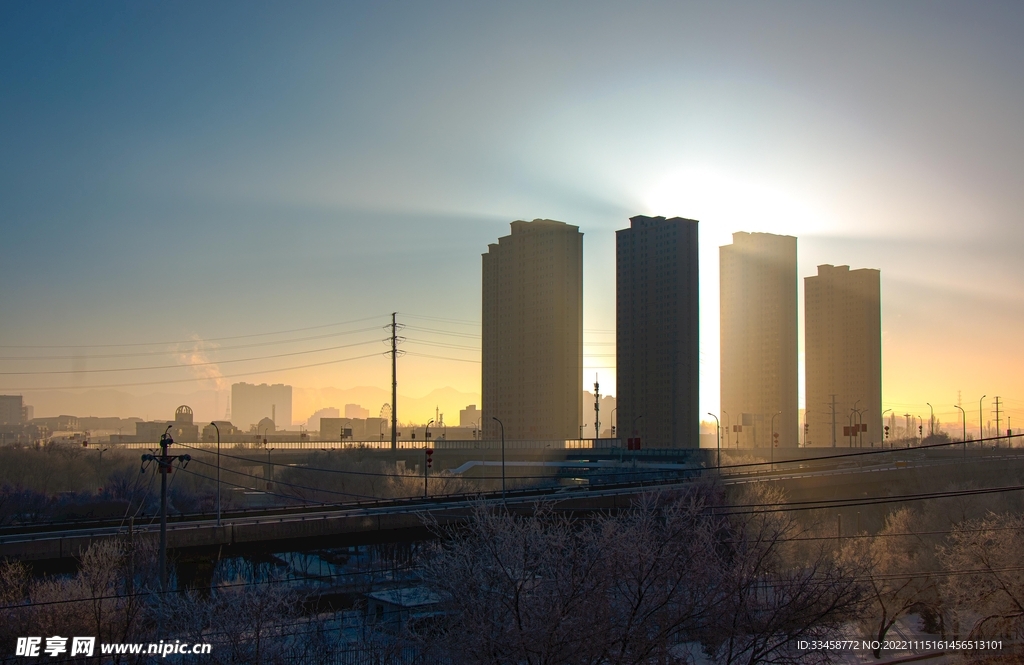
(597, 408)
(997, 421)
(907, 432)
(833, 421)
(164, 467)
(394, 381)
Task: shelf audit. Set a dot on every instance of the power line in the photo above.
(186, 365)
(427, 355)
(194, 379)
(463, 322)
(442, 344)
(185, 341)
(198, 342)
(444, 332)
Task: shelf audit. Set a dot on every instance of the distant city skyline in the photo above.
(190, 173)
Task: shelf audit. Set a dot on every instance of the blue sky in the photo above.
(174, 171)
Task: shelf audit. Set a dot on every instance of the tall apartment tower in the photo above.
(759, 339)
(532, 371)
(657, 331)
(843, 356)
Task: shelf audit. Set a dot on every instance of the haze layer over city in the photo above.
(194, 173)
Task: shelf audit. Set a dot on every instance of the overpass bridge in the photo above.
(811, 479)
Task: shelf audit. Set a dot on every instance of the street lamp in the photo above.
(381, 428)
(613, 421)
(981, 420)
(634, 423)
(931, 420)
(218, 471)
(772, 442)
(965, 427)
(270, 466)
(502, 457)
(426, 431)
(718, 441)
(860, 426)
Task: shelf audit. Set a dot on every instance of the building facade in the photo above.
(658, 332)
(252, 403)
(532, 373)
(843, 356)
(12, 410)
(758, 282)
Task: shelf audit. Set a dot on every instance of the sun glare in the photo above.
(724, 203)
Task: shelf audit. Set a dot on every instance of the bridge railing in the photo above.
(415, 444)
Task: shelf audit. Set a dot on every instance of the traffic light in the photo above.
(776, 435)
(920, 430)
(887, 431)
(430, 457)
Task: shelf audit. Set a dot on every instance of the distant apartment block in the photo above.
(470, 417)
(313, 422)
(843, 356)
(354, 429)
(532, 373)
(12, 410)
(356, 411)
(252, 403)
(658, 332)
(759, 339)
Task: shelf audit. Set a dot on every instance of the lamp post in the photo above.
(964, 413)
(718, 441)
(426, 430)
(981, 419)
(502, 457)
(772, 442)
(270, 467)
(613, 421)
(218, 471)
(381, 428)
(726, 414)
(931, 419)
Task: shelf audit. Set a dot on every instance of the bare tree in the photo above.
(774, 593)
(984, 586)
(891, 564)
(653, 584)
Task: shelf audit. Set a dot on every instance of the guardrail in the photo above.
(414, 444)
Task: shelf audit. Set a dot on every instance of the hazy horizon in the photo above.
(208, 174)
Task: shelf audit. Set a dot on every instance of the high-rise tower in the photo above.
(532, 372)
(759, 339)
(657, 332)
(843, 356)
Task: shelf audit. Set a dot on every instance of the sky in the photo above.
(187, 178)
